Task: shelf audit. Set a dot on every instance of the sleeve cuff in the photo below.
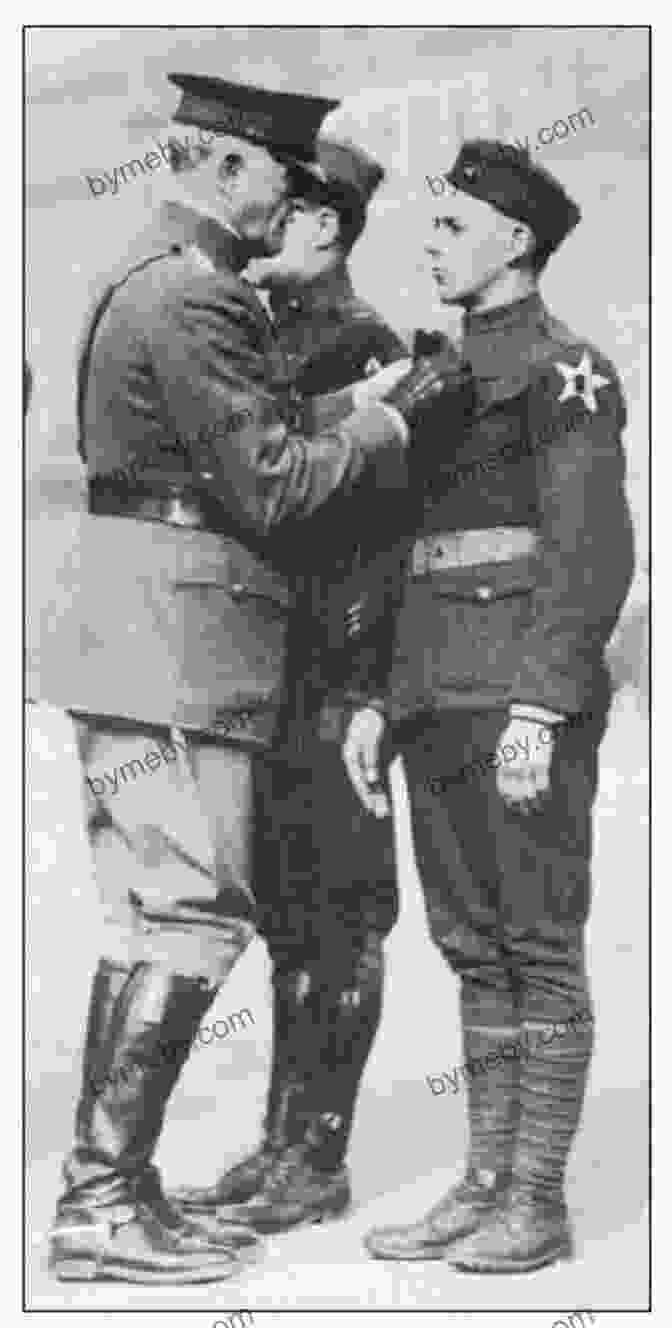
(399, 421)
(360, 701)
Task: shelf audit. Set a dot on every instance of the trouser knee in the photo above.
(549, 970)
(470, 953)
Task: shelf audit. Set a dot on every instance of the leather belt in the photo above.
(176, 507)
(468, 548)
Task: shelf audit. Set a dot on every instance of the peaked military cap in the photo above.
(284, 122)
(506, 177)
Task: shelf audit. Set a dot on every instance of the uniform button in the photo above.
(484, 592)
(237, 588)
(207, 475)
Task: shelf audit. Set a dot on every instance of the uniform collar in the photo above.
(499, 344)
(221, 244)
(214, 243)
(329, 290)
(504, 318)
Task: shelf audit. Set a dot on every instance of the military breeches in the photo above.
(169, 823)
(507, 894)
(325, 869)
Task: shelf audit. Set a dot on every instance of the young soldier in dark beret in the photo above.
(515, 584)
(173, 626)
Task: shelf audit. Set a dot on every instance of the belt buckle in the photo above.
(445, 551)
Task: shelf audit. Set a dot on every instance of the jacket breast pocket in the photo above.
(481, 615)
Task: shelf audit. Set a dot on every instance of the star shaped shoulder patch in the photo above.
(581, 381)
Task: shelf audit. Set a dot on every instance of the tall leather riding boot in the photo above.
(532, 1228)
(491, 1074)
(284, 1122)
(113, 1220)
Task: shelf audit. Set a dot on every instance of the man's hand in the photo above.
(443, 381)
(524, 782)
(379, 384)
(361, 754)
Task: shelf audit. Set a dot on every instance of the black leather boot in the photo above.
(309, 1181)
(248, 1176)
(113, 1220)
(296, 1192)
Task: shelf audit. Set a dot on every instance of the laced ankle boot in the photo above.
(296, 1193)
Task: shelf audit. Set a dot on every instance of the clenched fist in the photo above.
(525, 782)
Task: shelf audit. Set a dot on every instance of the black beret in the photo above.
(506, 177)
(284, 122)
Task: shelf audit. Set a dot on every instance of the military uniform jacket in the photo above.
(157, 622)
(543, 451)
(348, 578)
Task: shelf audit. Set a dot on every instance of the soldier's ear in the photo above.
(329, 227)
(521, 243)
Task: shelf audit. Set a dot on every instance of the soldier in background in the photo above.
(170, 648)
(515, 584)
(325, 869)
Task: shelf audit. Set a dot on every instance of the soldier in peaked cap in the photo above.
(171, 649)
(326, 879)
(515, 584)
